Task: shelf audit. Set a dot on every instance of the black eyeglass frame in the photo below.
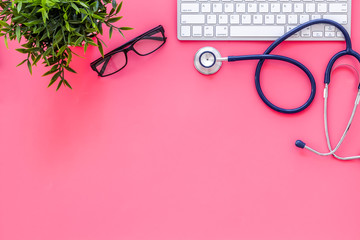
(125, 48)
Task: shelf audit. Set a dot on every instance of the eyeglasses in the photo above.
(142, 45)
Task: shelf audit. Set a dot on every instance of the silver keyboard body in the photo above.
(259, 20)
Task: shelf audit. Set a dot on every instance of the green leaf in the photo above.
(96, 7)
(70, 69)
(121, 32)
(114, 19)
(67, 84)
(22, 50)
(83, 4)
(102, 42)
(54, 78)
(3, 23)
(85, 47)
(91, 42)
(101, 50)
(126, 28)
(61, 50)
(119, 8)
(79, 41)
(58, 37)
(31, 23)
(111, 11)
(59, 85)
(110, 32)
(44, 14)
(74, 7)
(19, 5)
(6, 41)
(100, 29)
(65, 16)
(69, 56)
(29, 66)
(50, 72)
(22, 62)
(37, 59)
(114, 3)
(67, 25)
(18, 33)
(97, 17)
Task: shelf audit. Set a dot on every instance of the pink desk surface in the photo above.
(160, 152)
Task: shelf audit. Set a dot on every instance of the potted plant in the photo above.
(51, 27)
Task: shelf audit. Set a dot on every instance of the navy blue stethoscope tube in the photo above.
(266, 56)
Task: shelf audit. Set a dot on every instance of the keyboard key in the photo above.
(235, 19)
(185, 31)
(221, 31)
(208, 31)
(258, 19)
(223, 19)
(304, 18)
(229, 7)
(330, 34)
(269, 19)
(217, 7)
(240, 7)
(246, 19)
(190, 7)
(338, 7)
(205, 7)
(261, 31)
(275, 7)
(342, 19)
(292, 19)
(211, 19)
(264, 7)
(306, 32)
(193, 19)
(197, 31)
(317, 34)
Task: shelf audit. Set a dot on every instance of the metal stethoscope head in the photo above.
(208, 60)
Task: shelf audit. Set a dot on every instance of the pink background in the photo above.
(160, 152)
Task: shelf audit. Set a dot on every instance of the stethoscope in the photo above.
(208, 61)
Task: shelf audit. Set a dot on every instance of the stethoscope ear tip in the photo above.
(300, 144)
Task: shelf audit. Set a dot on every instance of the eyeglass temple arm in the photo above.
(154, 38)
(106, 61)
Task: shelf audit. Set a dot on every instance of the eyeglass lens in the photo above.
(112, 63)
(149, 43)
(143, 46)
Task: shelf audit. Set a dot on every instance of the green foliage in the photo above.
(51, 27)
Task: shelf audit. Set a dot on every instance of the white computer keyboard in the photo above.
(259, 19)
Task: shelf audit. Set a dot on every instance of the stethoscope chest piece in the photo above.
(206, 60)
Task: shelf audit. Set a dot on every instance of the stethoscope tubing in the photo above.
(333, 150)
(298, 64)
(347, 52)
(266, 56)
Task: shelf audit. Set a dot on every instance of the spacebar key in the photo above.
(256, 31)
